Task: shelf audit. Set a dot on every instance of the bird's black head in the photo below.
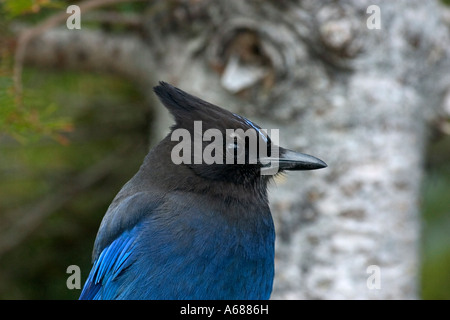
(219, 145)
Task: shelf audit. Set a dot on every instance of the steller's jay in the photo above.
(196, 229)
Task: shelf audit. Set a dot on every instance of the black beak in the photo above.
(292, 160)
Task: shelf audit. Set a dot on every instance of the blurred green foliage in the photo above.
(436, 222)
(18, 119)
(110, 125)
(17, 8)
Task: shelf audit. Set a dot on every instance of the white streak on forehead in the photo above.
(248, 122)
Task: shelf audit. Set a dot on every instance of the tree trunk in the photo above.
(356, 97)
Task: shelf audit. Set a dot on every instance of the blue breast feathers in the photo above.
(193, 254)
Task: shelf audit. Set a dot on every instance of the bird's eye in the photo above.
(235, 149)
(231, 147)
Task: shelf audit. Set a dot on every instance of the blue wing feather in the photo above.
(107, 267)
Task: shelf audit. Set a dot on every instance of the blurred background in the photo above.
(81, 137)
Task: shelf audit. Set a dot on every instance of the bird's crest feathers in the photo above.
(187, 108)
